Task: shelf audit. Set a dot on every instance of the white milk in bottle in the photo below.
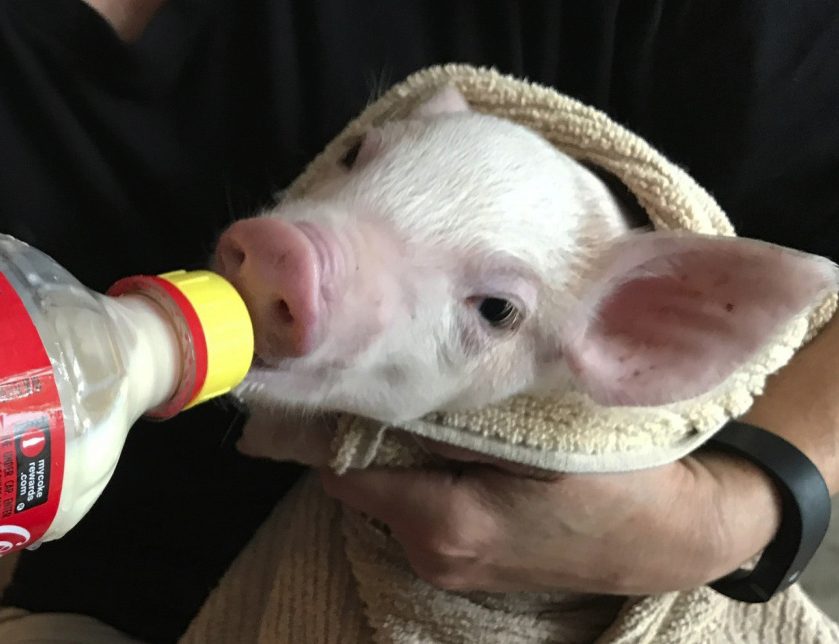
(78, 368)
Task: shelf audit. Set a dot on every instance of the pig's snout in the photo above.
(275, 267)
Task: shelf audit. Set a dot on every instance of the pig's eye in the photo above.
(500, 313)
(350, 156)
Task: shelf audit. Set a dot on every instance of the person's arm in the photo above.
(685, 524)
(801, 403)
(129, 18)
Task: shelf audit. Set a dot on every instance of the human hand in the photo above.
(666, 528)
(483, 527)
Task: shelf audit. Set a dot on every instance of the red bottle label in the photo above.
(31, 428)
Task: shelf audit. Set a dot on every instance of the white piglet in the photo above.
(453, 259)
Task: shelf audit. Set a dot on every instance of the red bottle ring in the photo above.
(190, 335)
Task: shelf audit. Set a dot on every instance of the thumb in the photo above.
(401, 498)
(420, 505)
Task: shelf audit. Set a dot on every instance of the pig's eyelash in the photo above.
(500, 313)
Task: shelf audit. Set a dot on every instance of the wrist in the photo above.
(804, 515)
(801, 404)
(748, 509)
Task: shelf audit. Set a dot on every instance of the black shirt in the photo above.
(120, 159)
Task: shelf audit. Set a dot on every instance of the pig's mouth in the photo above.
(290, 384)
(260, 364)
(286, 365)
(266, 378)
(284, 372)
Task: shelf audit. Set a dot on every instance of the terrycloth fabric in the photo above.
(315, 573)
(293, 585)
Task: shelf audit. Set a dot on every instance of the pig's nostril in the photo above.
(284, 313)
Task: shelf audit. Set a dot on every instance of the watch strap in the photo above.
(805, 512)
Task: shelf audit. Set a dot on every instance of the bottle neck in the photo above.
(153, 352)
(200, 314)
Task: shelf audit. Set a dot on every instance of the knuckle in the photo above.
(441, 573)
(464, 531)
(450, 558)
(441, 544)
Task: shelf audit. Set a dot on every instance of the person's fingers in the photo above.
(407, 500)
(441, 520)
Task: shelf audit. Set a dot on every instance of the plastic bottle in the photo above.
(78, 369)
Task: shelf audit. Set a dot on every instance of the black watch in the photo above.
(805, 512)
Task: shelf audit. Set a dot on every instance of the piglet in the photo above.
(452, 259)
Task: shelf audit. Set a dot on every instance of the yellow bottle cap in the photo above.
(226, 326)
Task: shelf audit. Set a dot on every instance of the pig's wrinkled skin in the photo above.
(370, 294)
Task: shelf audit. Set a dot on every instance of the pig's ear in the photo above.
(673, 316)
(447, 100)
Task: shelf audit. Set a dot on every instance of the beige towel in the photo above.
(316, 573)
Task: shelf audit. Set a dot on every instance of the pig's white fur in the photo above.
(450, 206)
(441, 208)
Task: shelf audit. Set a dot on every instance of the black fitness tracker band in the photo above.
(805, 512)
